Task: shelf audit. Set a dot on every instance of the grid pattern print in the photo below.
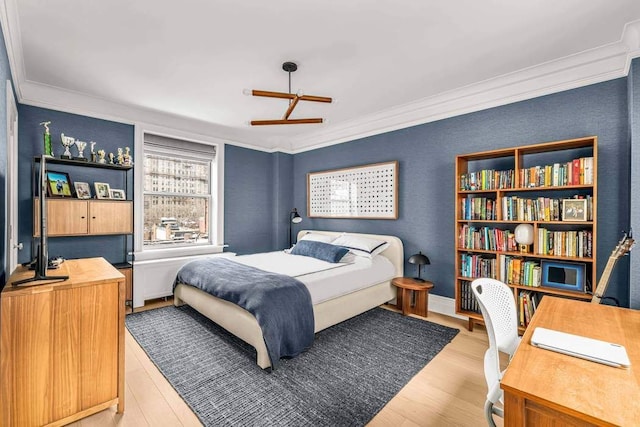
(367, 191)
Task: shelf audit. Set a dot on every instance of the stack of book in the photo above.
(527, 304)
(575, 243)
(487, 179)
(516, 208)
(576, 172)
(467, 299)
(478, 208)
(486, 238)
(517, 271)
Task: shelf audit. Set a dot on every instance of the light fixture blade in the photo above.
(285, 122)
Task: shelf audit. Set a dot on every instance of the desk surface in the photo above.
(580, 388)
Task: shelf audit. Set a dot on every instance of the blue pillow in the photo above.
(320, 250)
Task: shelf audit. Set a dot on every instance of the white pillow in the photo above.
(317, 237)
(361, 246)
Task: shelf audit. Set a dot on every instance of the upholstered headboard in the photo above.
(395, 251)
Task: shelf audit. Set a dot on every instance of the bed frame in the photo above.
(242, 324)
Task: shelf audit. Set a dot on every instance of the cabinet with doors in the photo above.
(527, 216)
(72, 217)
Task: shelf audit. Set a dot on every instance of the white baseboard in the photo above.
(444, 305)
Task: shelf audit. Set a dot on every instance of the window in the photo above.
(178, 195)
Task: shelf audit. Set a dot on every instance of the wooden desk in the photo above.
(542, 387)
(62, 345)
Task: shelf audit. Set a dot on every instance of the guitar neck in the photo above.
(604, 279)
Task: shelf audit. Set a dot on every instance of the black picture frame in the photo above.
(58, 184)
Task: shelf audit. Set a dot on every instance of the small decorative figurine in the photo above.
(48, 150)
(67, 142)
(101, 154)
(93, 153)
(111, 156)
(127, 157)
(120, 158)
(81, 146)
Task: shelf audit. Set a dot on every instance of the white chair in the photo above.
(498, 308)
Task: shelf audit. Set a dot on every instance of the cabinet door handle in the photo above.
(93, 217)
(81, 217)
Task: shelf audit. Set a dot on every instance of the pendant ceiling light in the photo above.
(293, 98)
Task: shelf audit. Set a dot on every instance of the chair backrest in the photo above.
(498, 308)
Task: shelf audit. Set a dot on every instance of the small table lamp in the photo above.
(294, 218)
(419, 259)
(524, 236)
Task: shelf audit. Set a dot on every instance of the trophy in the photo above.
(93, 153)
(81, 146)
(67, 142)
(101, 158)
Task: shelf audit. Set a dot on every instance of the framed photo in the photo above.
(83, 191)
(118, 194)
(58, 184)
(570, 276)
(574, 209)
(366, 191)
(103, 191)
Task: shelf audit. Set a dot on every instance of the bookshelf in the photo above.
(550, 186)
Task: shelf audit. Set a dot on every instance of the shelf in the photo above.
(511, 190)
(541, 289)
(55, 161)
(527, 255)
(498, 221)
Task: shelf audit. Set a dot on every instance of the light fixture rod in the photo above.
(285, 122)
(292, 105)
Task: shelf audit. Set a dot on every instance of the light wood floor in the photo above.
(449, 391)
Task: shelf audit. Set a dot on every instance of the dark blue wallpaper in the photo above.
(109, 136)
(250, 200)
(426, 155)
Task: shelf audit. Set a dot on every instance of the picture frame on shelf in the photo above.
(118, 194)
(574, 210)
(83, 190)
(103, 191)
(568, 276)
(58, 184)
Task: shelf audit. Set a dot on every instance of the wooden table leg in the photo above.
(421, 307)
(406, 301)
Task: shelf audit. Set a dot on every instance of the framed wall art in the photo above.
(367, 191)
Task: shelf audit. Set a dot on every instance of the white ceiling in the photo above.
(389, 64)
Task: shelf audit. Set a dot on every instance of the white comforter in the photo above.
(323, 279)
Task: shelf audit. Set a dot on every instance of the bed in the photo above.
(327, 312)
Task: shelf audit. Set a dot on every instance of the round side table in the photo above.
(406, 287)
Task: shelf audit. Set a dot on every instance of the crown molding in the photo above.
(585, 68)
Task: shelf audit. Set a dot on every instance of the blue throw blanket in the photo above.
(281, 304)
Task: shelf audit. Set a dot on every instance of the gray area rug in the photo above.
(352, 370)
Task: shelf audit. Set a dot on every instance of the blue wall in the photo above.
(426, 154)
(108, 136)
(5, 74)
(251, 199)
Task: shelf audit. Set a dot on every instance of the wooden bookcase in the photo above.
(498, 190)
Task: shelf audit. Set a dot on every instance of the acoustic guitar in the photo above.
(624, 247)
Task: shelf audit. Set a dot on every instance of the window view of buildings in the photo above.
(177, 195)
